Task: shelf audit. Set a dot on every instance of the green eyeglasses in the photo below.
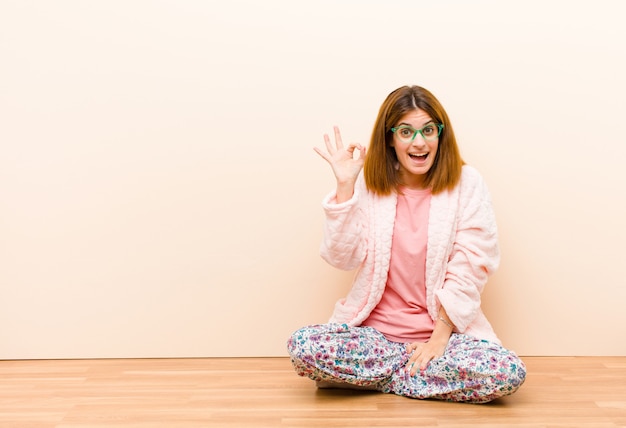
(407, 134)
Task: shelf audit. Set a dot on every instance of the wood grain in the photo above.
(265, 392)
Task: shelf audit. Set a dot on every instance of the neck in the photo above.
(415, 182)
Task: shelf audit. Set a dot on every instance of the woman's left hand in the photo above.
(423, 353)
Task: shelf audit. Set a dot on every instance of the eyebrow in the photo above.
(423, 125)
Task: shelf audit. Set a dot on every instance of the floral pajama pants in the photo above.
(471, 370)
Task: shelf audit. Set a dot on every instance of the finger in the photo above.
(338, 141)
(410, 368)
(361, 152)
(418, 362)
(413, 363)
(415, 367)
(351, 148)
(322, 154)
(424, 362)
(410, 347)
(329, 146)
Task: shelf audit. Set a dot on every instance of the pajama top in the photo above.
(462, 251)
(401, 314)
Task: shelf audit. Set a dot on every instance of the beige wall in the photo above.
(159, 195)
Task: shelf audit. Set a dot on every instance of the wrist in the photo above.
(439, 338)
(446, 322)
(344, 191)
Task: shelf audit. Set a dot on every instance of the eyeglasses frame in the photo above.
(420, 131)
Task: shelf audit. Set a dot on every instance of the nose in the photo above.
(418, 140)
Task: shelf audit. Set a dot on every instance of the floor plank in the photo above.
(265, 392)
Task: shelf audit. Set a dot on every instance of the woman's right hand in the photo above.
(344, 164)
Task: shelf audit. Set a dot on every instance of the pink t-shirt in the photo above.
(401, 314)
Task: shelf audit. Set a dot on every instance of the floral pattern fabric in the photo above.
(471, 370)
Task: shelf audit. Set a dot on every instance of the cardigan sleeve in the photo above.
(344, 244)
(474, 255)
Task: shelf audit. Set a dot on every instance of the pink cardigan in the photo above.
(462, 251)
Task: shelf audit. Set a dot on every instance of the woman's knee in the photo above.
(508, 378)
(302, 341)
(296, 341)
(516, 373)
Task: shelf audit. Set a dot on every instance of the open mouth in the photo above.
(418, 157)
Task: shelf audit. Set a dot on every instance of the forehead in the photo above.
(416, 118)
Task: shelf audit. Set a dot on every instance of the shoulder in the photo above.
(472, 189)
(360, 183)
(471, 179)
(471, 174)
(363, 192)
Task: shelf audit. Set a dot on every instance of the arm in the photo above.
(343, 245)
(474, 256)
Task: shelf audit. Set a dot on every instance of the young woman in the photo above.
(418, 225)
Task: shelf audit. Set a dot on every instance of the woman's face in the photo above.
(415, 157)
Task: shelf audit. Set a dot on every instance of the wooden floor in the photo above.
(265, 392)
